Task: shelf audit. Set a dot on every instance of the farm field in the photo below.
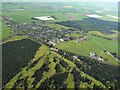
(110, 59)
(109, 18)
(85, 47)
(26, 14)
(57, 26)
(114, 35)
(76, 35)
(6, 31)
(15, 38)
(108, 44)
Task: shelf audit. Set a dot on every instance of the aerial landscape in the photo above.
(60, 45)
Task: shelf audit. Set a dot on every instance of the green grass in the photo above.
(111, 59)
(76, 35)
(70, 81)
(93, 79)
(5, 31)
(47, 74)
(57, 26)
(24, 16)
(115, 35)
(70, 63)
(111, 46)
(84, 48)
(38, 10)
(109, 18)
(15, 38)
(42, 50)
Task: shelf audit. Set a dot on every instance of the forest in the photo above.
(16, 55)
(100, 71)
(91, 24)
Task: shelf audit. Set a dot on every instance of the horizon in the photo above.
(117, 1)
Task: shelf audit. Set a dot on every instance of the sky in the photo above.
(60, 0)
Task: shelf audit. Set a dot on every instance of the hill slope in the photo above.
(50, 69)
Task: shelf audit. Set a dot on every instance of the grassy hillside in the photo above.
(49, 69)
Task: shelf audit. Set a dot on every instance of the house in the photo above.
(54, 49)
(50, 42)
(61, 40)
(93, 55)
(75, 57)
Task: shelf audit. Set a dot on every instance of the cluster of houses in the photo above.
(93, 55)
(42, 32)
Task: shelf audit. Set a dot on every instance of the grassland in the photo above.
(57, 26)
(84, 48)
(61, 13)
(109, 18)
(15, 38)
(76, 35)
(115, 35)
(108, 44)
(24, 16)
(6, 31)
(70, 81)
(110, 59)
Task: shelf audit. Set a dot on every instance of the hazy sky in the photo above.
(60, 0)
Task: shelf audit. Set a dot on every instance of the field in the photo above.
(57, 26)
(76, 35)
(15, 38)
(110, 59)
(88, 46)
(108, 44)
(109, 18)
(5, 30)
(26, 14)
(114, 35)
(23, 12)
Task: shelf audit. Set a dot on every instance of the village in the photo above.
(49, 36)
(42, 33)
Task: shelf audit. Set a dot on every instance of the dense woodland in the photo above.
(91, 24)
(107, 74)
(16, 55)
(91, 67)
